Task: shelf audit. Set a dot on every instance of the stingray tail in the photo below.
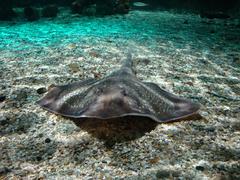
(128, 62)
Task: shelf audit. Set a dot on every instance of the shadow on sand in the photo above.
(123, 129)
(116, 130)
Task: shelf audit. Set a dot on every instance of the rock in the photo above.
(2, 98)
(236, 125)
(236, 60)
(21, 94)
(6, 13)
(41, 90)
(212, 31)
(31, 14)
(3, 120)
(122, 7)
(200, 168)
(214, 15)
(162, 174)
(90, 10)
(47, 140)
(105, 7)
(185, 22)
(50, 11)
(76, 7)
(79, 5)
(4, 170)
(38, 158)
(74, 67)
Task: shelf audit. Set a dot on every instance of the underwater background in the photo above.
(190, 48)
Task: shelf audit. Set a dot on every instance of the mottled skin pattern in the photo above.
(117, 95)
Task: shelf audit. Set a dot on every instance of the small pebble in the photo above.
(3, 120)
(200, 168)
(41, 90)
(2, 98)
(38, 158)
(21, 95)
(236, 125)
(162, 174)
(202, 165)
(4, 170)
(212, 31)
(236, 60)
(185, 22)
(47, 140)
(74, 67)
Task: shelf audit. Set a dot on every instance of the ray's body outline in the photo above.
(119, 94)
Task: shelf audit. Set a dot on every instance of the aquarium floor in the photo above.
(192, 57)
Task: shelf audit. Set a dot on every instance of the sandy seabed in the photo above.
(189, 56)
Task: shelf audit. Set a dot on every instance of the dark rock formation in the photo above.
(41, 90)
(50, 11)
(31, 14)
(6, 11)
(214, 15)
(109, 7)
(79, 5)
(123, 6)
(195, 5)
(102, 8)
(217, 5)
(105, 7)
(6, 14)
(24, 3)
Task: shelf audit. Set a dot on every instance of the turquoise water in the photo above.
(138, 25)
(161, 33)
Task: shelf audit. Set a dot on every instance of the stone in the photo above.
(2, 98)
(90, 10)
(200, 168)
(74, 67)
(4, 170)
(31, 14)
(6, 13)
(47, 140)
(122, 7)
(79, 5)
(202, 165)
(41, 90)
(236, 60)
(236, 125)
(21, 95)
(105, 8)
(3, 120)
(101, 8)
(162, 174)
(50, 11)
(214, 15)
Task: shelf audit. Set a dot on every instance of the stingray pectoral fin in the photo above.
(67, 100)
(184, 108)
(169, 107)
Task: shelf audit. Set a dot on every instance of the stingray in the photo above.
(117, 95)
